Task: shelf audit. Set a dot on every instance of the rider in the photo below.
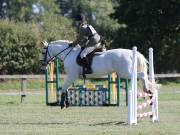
(88, 38)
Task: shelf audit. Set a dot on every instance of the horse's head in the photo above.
(51, 51)
(44, 56)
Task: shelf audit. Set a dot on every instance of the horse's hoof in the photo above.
(62, 106)
(150, 92)
(67, 104)
(67, 100)
(62, 103)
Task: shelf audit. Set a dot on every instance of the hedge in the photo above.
(20, 43)
(19, 47)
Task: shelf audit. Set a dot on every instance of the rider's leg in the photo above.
(83, 55)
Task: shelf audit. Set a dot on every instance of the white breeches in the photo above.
(86, 51)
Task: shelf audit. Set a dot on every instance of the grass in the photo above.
(34, 118)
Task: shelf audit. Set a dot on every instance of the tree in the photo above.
(97, 13)
(151, 23)
(26, 24)
(27, 10)
(19, 47)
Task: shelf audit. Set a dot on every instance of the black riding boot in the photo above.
(87, 66)
(63, 99)
(67, 100)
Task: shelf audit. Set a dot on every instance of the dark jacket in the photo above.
(87, 36)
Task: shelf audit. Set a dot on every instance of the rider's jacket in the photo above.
(87, 36)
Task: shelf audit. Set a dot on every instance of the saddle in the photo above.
(89, 57)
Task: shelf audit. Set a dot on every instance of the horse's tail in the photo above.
(142, 64)
(143, 67)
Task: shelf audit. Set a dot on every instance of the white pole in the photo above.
(132, 95)
(155, 92)
(135, 85)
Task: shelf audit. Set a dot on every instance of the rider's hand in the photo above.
(71, 45)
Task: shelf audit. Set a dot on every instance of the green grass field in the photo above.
(34, 118)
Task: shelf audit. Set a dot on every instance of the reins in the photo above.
(68, 53)
(52, 58)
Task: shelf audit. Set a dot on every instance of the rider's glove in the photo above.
(71, 45)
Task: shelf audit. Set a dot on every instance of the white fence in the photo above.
(62, 76)
(23, 80)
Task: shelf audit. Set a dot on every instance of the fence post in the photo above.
(23, 89)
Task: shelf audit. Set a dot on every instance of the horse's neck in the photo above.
(54, 49)
(63, 51)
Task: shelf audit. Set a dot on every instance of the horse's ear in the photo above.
(45, 43)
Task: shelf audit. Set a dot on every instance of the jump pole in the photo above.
(46, 85)
(132, 94)
(51, 93)
(155, 112)
(57, 81)
(126, 88)
(114, 89)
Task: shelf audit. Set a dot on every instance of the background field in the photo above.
(34, 118)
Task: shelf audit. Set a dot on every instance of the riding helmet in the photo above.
(80, 17)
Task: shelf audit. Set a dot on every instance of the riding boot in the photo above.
(63, 98)
(87, 66)
(67, 100)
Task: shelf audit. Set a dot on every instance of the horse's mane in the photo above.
(61, 42)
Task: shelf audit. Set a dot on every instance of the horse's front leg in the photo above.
(64, 95)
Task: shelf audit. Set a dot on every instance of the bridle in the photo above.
(47, 53)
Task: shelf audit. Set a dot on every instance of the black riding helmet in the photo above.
(80, 17)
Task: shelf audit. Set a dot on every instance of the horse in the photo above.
(114, 60)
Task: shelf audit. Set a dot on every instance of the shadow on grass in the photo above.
(62, 123)
(10, 103)
(37, 123)
(109, 123)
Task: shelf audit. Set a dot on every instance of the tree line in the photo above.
(123, 23)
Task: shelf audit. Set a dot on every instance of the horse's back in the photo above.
(118, 60)
(117, 55)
